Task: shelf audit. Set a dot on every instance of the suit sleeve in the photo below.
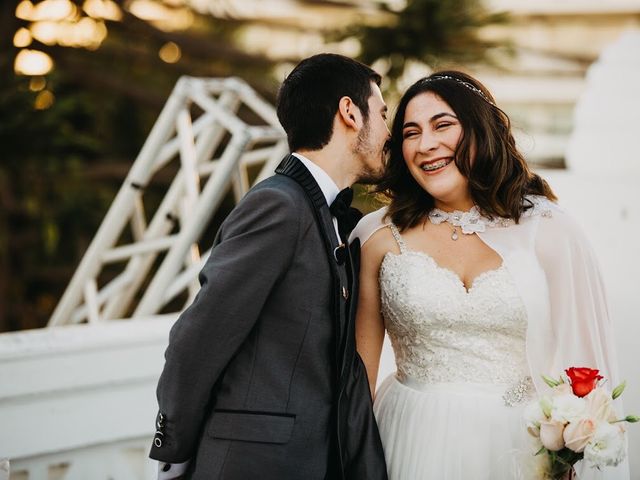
(254, 248)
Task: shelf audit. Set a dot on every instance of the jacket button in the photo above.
(345, 293)
(157, 440)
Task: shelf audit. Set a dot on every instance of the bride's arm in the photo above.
(369, 322)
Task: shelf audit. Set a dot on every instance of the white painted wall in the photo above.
(80, 400)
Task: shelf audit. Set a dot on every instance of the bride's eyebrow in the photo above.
(443, 114)
(437, 116)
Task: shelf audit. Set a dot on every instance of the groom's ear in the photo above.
(350, 113)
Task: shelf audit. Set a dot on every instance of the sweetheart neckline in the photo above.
(448, 271)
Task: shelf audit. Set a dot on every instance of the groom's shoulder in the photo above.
(277, 186)
(273, 201)
(277, 189)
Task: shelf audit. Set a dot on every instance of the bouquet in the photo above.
(576, 422)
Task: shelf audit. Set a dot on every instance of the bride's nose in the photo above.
(427, 143)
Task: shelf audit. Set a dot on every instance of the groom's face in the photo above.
(372, 138)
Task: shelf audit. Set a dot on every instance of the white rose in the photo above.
(567, 408)
(533, 417)
(607, 448)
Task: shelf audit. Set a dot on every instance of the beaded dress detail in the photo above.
(453, 409)
(441, 332)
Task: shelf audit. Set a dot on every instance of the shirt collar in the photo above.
(329, 188)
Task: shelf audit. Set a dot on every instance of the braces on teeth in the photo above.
(436, 166)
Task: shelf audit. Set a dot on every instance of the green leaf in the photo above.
(550, 381)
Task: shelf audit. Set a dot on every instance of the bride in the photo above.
(482, 283)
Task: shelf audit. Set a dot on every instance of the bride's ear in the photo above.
(349, 113)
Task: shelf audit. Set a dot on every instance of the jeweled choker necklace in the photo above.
(474, 222)
(470, 222)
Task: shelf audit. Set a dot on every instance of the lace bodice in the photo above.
(440, 332)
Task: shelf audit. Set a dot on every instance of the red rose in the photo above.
(583, 379)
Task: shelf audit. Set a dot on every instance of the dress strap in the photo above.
(396, 234)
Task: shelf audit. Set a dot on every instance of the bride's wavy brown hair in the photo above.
(499, 177)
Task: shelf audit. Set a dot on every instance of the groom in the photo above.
(261, 378)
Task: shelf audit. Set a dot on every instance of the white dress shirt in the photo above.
(329, 188)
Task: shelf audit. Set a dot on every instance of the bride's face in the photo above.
(431, 132)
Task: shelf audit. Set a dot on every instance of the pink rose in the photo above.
(577, 434)
(551, 435)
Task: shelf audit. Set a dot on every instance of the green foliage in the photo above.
(51, 203)
(431, 32)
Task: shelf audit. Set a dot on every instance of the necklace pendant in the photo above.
(454, 235)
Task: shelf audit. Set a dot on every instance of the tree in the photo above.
(432, 32)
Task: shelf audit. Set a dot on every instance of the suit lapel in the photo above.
(295, 169)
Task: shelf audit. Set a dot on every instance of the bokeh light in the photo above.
(32, 62)
(53, 10)
(37, 84)
(44, 100)
(170, 52)
(102, 9)
(22, 38)
(161, 16)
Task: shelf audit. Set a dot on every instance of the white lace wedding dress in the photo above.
(453, 410)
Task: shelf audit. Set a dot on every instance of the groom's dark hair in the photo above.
(308, 98)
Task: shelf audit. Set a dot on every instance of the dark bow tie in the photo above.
(347, 216)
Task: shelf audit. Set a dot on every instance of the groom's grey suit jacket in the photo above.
(261, 378)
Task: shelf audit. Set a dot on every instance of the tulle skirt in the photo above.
(453, 431)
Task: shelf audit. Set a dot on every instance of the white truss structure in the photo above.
(84, 406)
(211, 132)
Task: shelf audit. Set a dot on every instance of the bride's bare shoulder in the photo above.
(374, 232)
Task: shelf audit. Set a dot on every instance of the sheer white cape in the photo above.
(559, 280)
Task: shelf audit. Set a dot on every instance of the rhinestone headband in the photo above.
(468, 85)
